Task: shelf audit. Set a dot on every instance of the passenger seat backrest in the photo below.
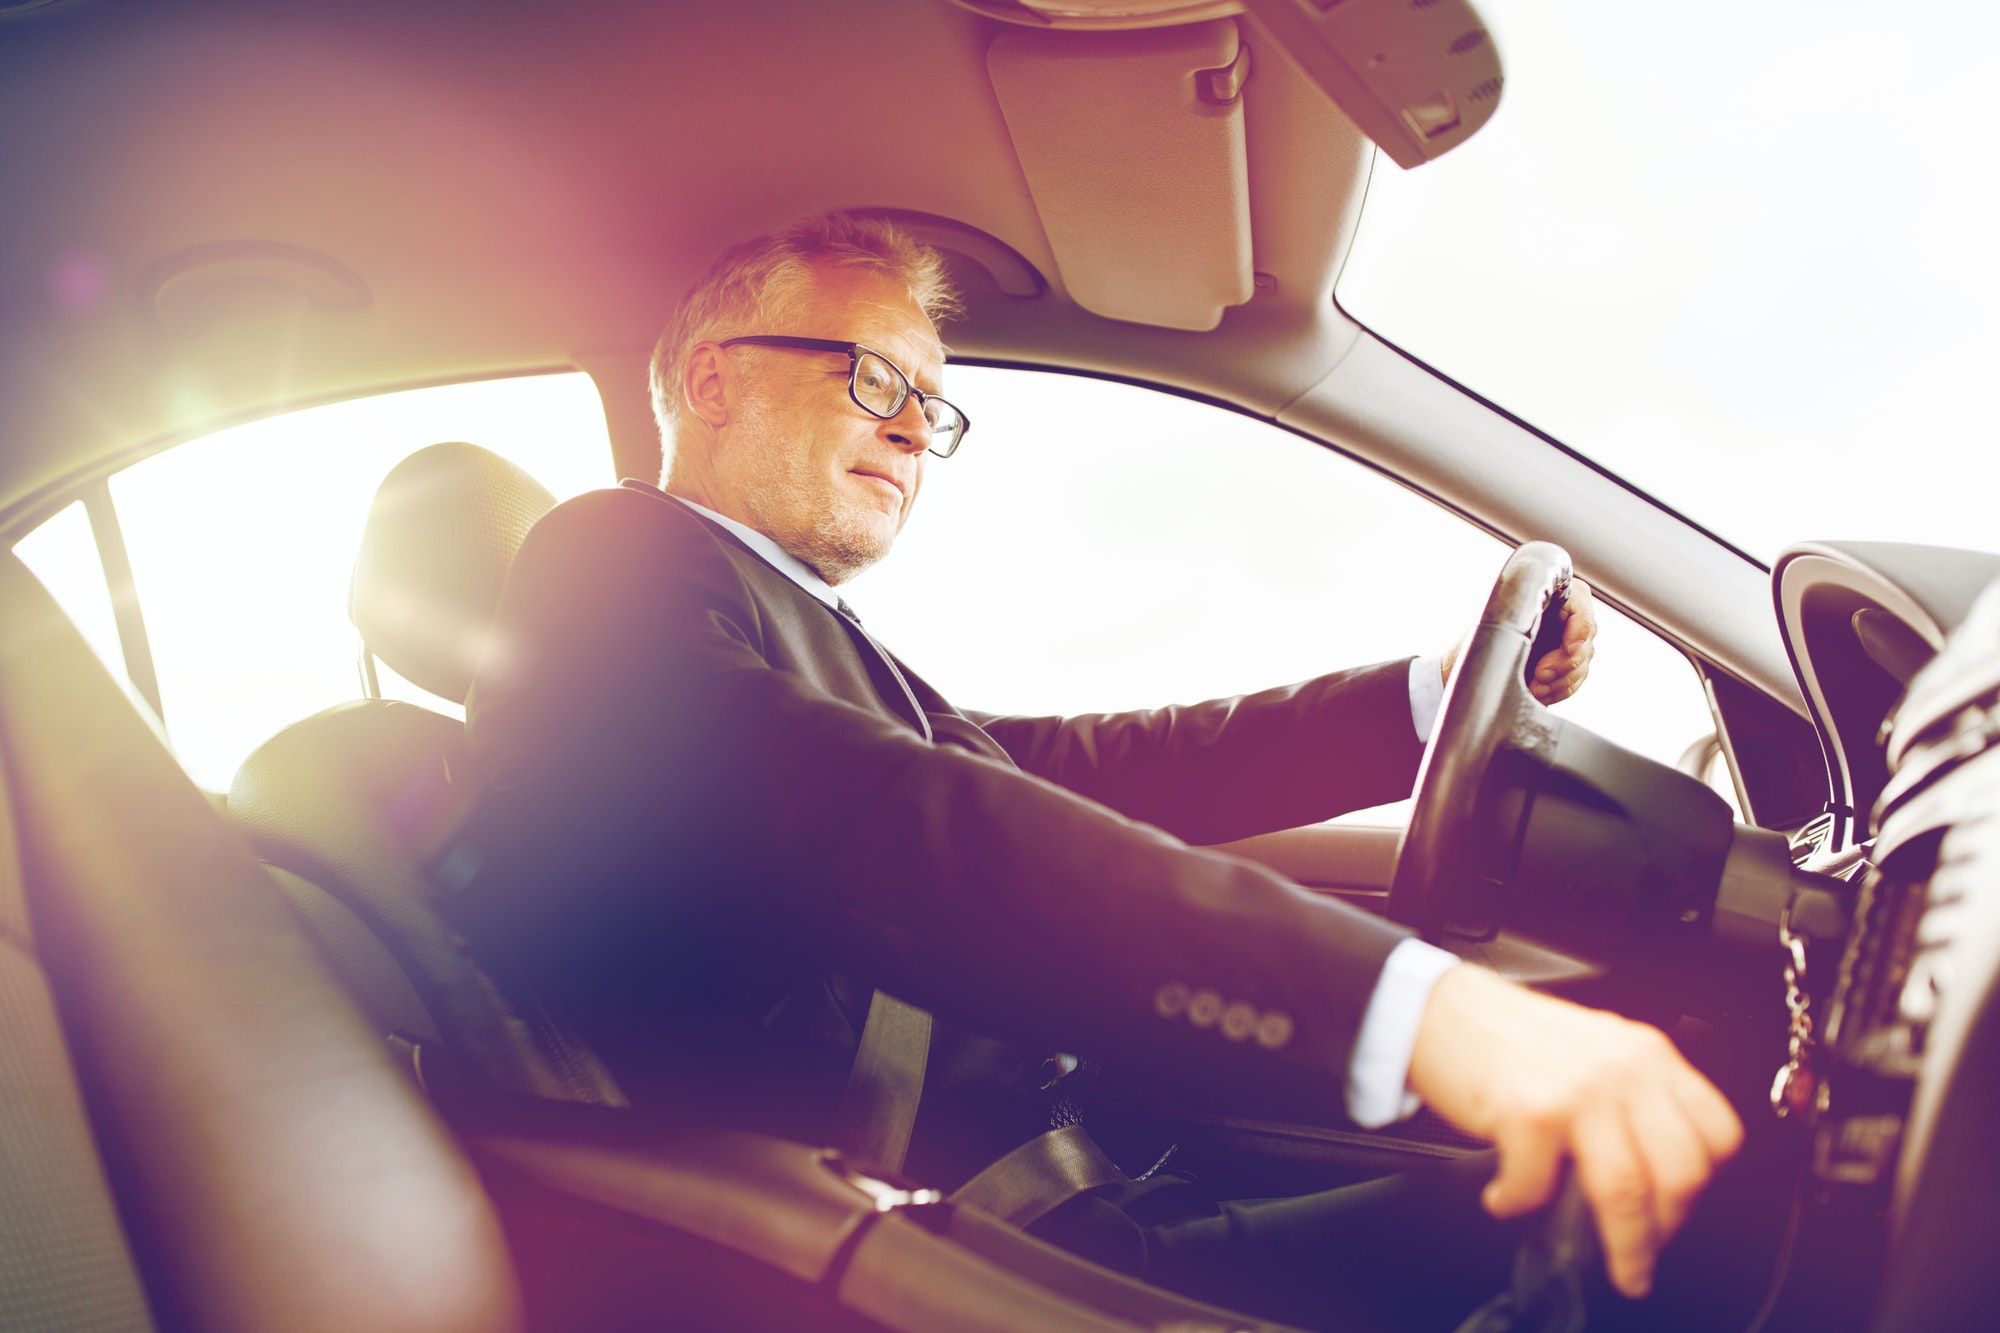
(362, 799)
(441, 536)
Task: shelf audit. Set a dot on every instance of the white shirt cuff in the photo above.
(1378, 1077)
(1426, 695)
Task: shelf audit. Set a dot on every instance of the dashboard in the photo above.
(1897, 650)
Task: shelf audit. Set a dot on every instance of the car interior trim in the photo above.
(1819, 588)
(133, 642)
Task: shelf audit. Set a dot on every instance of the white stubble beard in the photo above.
(836, 541)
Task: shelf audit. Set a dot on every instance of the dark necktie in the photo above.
(923, 720)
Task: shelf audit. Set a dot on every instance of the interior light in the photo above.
(1102, 14)
(1435, 115)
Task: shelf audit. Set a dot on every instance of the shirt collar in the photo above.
(774, 555)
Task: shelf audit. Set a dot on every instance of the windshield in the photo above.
(1740, 252)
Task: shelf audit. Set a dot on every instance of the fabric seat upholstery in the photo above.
(360, 801)
(270, 1169)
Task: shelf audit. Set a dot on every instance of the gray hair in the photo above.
(754, 285)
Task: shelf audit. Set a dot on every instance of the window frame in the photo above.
(135, 643)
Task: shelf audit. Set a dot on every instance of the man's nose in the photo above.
(909, 429)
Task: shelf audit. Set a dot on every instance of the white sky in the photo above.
(1740, 251)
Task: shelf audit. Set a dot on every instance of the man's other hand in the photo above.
(1549, 1081)
(1562, 670)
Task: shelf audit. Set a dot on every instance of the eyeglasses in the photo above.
(877, 386)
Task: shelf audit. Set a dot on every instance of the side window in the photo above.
(1096, 546)
(242, 543)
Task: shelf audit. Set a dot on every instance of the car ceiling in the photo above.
(514, 186)
(521, 186)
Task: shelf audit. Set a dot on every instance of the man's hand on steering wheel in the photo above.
(1562, 670)
(1549, 1081)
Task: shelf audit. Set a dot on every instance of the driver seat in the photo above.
(357, 805)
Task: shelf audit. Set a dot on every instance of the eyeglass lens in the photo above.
(879, 385)
(881, 388)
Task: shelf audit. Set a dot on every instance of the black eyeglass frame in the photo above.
(854, 351)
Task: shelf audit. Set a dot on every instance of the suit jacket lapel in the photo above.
(893, 689)
(880, 657)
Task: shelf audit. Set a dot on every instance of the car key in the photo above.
(1549, 634)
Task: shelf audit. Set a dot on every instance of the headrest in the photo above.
(441, 534)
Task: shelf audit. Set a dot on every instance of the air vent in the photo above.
(1470, 41)
(1482, 90)
(1813, 840)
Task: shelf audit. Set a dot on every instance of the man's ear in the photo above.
(709, 384)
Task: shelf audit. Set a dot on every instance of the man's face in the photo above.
(799, 460)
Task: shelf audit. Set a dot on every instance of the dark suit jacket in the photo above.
(715, 825)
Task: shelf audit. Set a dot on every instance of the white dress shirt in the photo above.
(1377, 1091)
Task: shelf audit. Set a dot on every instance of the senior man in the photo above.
(760, 816)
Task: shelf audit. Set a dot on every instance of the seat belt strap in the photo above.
(1030, 1182)
(879, 1108)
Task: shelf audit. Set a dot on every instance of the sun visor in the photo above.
(1132, 145)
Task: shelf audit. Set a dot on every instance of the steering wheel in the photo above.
(1487, 711)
